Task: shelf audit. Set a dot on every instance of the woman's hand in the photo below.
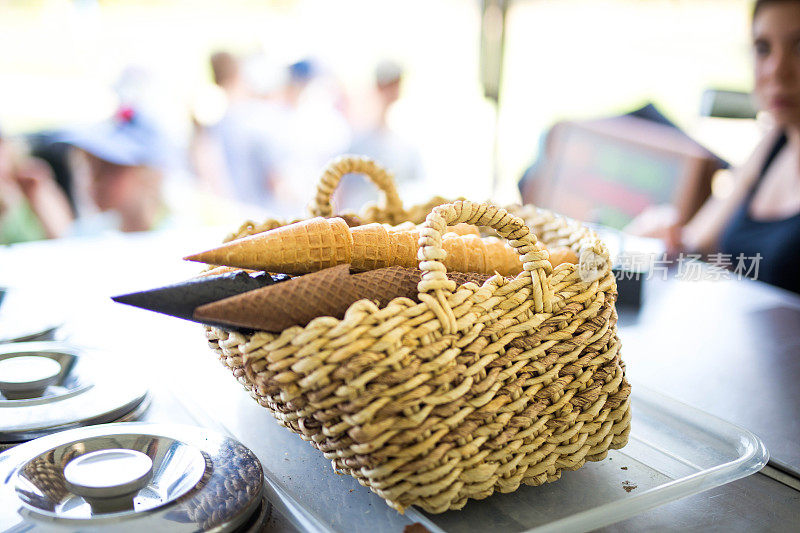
(658, 222)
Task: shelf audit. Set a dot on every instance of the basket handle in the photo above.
(434, 285)
(321, 206)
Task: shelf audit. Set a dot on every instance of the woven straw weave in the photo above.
(471, 390)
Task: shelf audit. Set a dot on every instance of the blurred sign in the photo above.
(608, 171)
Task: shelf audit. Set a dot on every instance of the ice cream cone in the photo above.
(457, 249)
(319, 243)
(329, 292)
(476, 258)
(487, 255)
(404, 246)
(403, 226)
(181, 299)
(563, 254)
(464, 229)
(371, 248)
(216, 271)
(293, 249)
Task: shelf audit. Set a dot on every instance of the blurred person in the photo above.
(32, 205)
(240, 146)
(314, 131)
(761, 217)
(43, 145)
(227, 75)
(119, 169)
(381, 143)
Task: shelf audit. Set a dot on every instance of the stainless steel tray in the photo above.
(674, 451)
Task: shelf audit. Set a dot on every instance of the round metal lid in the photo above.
(131, 477)
(26, 317)
(45, 331)
(27, 376)
(51, 386)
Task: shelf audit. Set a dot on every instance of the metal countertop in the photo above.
(728, 347)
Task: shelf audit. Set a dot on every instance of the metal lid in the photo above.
(131, 477)
(109, 479)
(27, 317)
(27, 376)
(52, 386)
(45, 331)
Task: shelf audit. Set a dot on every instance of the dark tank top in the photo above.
(777, 241)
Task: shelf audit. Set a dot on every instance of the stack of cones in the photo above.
(319, 243)
(329, 292)
(338, 265)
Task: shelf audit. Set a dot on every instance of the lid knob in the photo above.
(27, 376)
(109, 479)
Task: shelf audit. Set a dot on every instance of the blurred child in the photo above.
(382, 144)
(239, 146)
(119, 166)
(32, 205)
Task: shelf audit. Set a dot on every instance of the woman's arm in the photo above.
(702, 233)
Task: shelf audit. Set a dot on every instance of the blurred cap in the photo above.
(302, 70)
(129, 138)
(388, 72)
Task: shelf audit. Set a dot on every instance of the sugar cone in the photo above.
(463, 229)
(459, 229)
(222, 270)
(319, 243)
(486, 255)
(181, 299)
(371, 249)
(476, 259)
(502, 257)
(293, 249)
(404, 246)
(329, 292)
(403, 226)
(457, 249)
(563, 254)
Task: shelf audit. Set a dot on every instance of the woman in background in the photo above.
(761, 217)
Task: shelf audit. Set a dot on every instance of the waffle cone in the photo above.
(181, 299)
(463, 229)
(485, 255)
(476, 260)
(371, 248)
(297, 248)
(501, 257)
(403, 226)
(457, 249)
(319, 243)
(563, 254)
(216, 271)
(459, 229)
(329, 292)
(404, 248)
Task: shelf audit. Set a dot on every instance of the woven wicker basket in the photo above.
(470, 390)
